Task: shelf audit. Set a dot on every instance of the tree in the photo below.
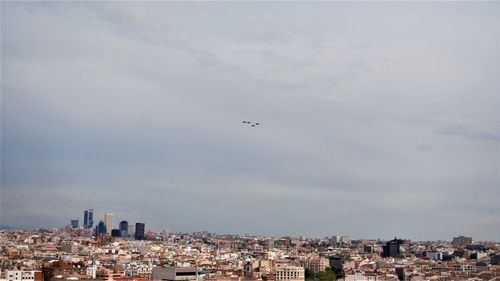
(308, 274)
(326, 276)
(339, 271)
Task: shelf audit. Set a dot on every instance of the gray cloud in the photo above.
(136, 108)
(466, 133)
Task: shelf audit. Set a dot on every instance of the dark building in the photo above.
(495, 259)
(476, 247)
(115, 233)
(391, 248)
(139, 231)
(460, 253)
(74, 223)
(91, 218)
(335, 261)
(100, 229)
(123, 228)
(86, 218)
(368, 249)
(400, 272)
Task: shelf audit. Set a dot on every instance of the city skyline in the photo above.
(377, 119)
(125, 225)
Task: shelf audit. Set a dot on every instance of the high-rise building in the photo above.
(86, 218)
(91, 218)
(139, 231)
(130, 229)
(123, 228)
(100, 229)
(74, 223)
(391, 248)
(461, 241)
(108, 220)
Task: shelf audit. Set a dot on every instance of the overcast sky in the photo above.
(377, 119)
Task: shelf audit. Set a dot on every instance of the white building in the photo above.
(92, 271)
(290, 272)
(360, 277)
(434, 255)
(173, 273)
(20, 275)
(108, 221)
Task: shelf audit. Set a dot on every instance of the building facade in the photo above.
(21, 275)
(290, 273)
(140, 231)
(461, 241)
(108, 220)
(173, 273)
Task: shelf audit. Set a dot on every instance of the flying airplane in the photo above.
(250, 123)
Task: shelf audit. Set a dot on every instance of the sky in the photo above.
(378, 119)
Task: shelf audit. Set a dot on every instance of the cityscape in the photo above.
(127, 252)
(249, 140)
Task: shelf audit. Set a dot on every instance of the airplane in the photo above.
(250, 123)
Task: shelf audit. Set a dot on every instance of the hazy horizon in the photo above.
(378, 119)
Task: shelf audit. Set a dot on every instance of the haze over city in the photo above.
(377, 119)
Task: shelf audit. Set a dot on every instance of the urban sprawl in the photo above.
(127, 252)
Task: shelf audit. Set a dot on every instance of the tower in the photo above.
(108, 221)
(86, 218)
(139, 231)
(100, 229)
(124, 228)
(130, 229)
(91, 218)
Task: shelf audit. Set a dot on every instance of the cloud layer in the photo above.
(378, 119)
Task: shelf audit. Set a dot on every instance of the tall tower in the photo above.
(100, 228)
(124, 229)
(130, 230)
(86, 218)
(139, 231)
(108, 221)
(91, 218)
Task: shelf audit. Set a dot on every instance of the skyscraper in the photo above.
(108, 220)
(100, 229)
(123, 228)
(139, 231)
(91, 218)
(86, 218)
(130, 229)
